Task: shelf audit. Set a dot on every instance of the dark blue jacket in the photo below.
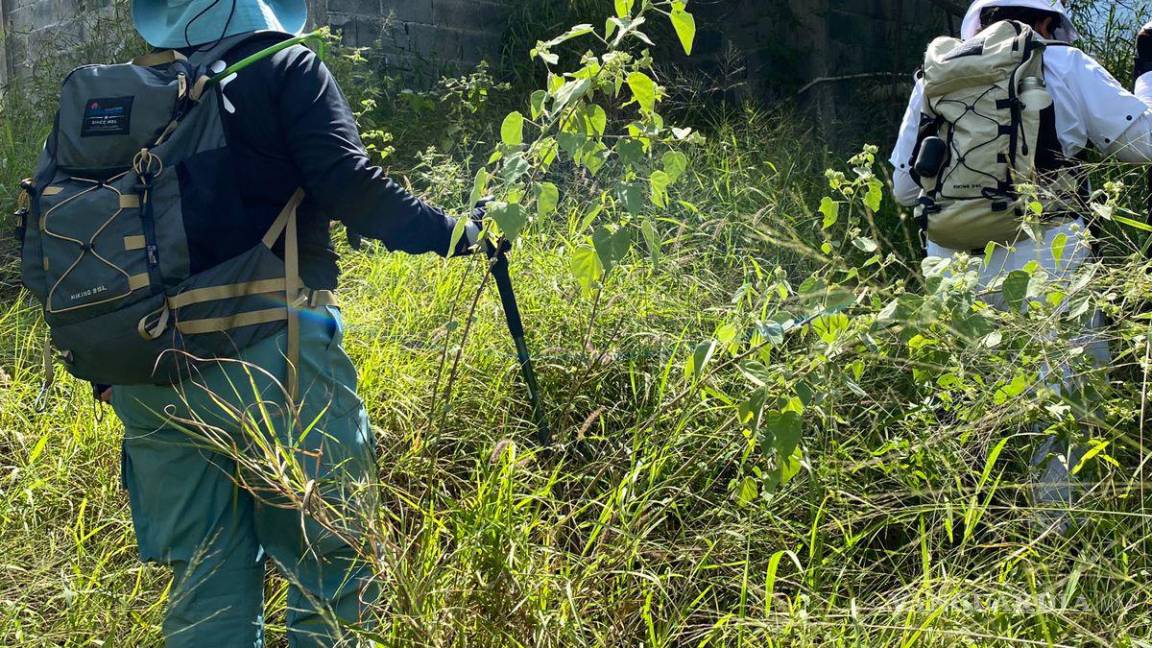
(292, 127)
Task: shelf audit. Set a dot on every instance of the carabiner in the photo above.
(40, 405)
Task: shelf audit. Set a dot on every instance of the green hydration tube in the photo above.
(312, 37)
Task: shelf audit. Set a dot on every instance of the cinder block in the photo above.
(432, 42)
(470, 14)
(395, 37)
(476, 46)
(355, 7)
(408, 10)
(363, 31)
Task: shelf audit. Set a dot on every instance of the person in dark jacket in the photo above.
(203, 512)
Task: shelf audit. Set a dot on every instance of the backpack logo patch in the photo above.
(107, 116)
(974, 47)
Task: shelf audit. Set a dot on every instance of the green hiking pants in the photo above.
(196, 464)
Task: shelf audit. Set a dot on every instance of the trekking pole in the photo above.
(497, 255)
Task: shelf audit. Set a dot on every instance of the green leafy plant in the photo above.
(604, 113)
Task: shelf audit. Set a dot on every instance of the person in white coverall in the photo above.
(1092, 110)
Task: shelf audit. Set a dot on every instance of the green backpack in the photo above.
(138, 151)
(987, 128)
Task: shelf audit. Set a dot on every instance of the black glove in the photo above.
(479, 213)
(1144, 51)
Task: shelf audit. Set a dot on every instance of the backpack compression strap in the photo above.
(296, 296)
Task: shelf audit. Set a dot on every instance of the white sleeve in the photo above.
(1118, 122)
(906, 191)
(1135, 144)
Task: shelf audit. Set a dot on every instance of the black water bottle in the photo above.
(933, 156)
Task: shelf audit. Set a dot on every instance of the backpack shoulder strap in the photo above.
(158, 58)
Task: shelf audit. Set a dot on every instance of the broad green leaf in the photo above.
(632, 195)
(539, 98)
(624, 8)
(701, 356)
(1059, 244)
(571, 143)
(787, 468)
(1016, 288)
(586, 267)
(875, 196)
(685, 25)
(989, 250)
(675, 164)
(596, 119)
(865, 244)
(512, 130)
(575, 32)
(590, 217)
(831, 211)
(611, 246)
(590, 71)
(629, 26)
(831, 326)
(593, 155)
(748, 491)
(644, 90)
(658, 185)
(547, 200)
(457, 235)
(515, 166)
(751, 410)
(479, 187)
(1018, 386)
(570, 92)
(782, 431)
(545, 151)
(631, 151)
(510, 218)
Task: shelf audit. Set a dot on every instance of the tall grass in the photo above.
(678, 509)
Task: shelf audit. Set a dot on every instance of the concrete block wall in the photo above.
(32, 30)
(782, 45)
(421, 35)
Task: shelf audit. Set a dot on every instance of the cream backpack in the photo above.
(987, 129)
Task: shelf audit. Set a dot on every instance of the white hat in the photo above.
(1065, 31)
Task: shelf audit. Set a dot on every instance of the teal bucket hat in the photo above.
(175, 24)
